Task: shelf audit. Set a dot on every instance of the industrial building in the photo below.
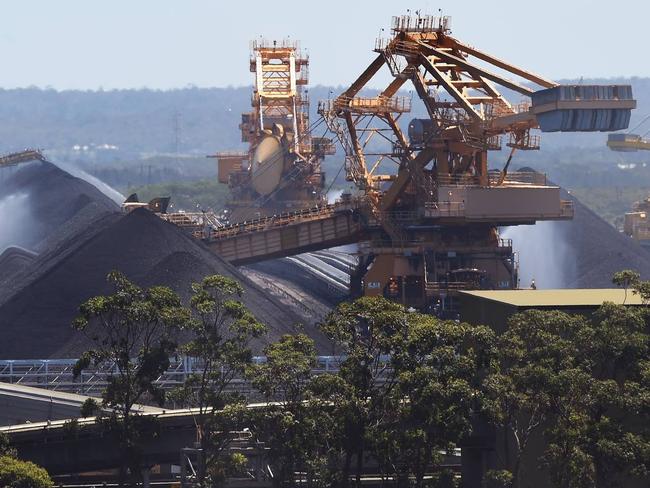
(494, 307)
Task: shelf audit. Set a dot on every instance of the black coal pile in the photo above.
(581, 253)
(38, 199)
(599, 250)
(14, 259)
(35, 316)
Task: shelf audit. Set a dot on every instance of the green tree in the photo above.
(580, 387)
(90, 407)
(522, 388)
(614, 353)
(5, 446)
(221, 330)
(289, 425)
(626, 279)
(407, 387)
(597, 436)
(133, 333)
(439, 364)
(22, 474)
(366, 331)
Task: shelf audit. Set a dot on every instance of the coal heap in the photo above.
(599, 249)
(51, 199)
(35, 317)
(14, 259)
(581, 253)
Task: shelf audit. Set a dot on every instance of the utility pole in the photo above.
(177, 134)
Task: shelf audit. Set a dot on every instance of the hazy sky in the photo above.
(174, 43)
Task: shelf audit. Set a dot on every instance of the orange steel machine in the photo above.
(430, 189)
(429, 208)
(281, 171)
(637, 224)
(630, 142)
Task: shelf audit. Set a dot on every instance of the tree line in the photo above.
(567, 395)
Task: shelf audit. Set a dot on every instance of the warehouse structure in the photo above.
(494, 307)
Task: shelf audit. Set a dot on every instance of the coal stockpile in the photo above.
(600, 250)
(581, 253)
(14, 259)
(38, 199)
(35, 320)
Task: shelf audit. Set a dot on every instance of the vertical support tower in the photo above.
(281, 171)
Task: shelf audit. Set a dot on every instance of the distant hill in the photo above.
(143, 121)
(132, 138)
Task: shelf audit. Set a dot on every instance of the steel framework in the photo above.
(437, 172)
(280, 113)
(57, 374)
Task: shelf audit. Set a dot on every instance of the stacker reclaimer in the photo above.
(429, 208)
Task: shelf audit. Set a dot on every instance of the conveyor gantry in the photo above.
(25, 156)
(286, 234)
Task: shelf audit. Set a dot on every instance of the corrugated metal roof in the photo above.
(558, 298)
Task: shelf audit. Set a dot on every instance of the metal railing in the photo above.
(641, 233)
(21, 157)
(57, 374)
(194, 219)
(279, 220)
(421, 23)
(378, 104)
(523, 177)
(434, 286)
(444, 209)
(528, 177)
(383, 243)
(566, 208)
(526, 142)
(274, 44)
(232, 154)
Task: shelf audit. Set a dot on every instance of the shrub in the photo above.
(22, 474)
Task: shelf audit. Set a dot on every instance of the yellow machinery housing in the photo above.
(637, 223)
(629, 142)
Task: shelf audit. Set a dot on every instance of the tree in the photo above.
(439, 365)
(5, 446)
(133, 333)
(90, 407)
(407, 387)
(626, 279)
(17, 473)
(289, 425)
(22, 474)
(580, 387)
(221, 330)
(365, 330)
(522, 388)
(614, 352)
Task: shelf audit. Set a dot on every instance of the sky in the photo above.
(92, 44)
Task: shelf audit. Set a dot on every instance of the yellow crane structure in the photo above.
(630, 142)
(429, 207)
(281, 171)
(441, 207)
(637, 222)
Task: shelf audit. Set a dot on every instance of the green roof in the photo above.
(580, 297)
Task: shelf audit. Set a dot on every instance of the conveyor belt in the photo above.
(286, 235)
